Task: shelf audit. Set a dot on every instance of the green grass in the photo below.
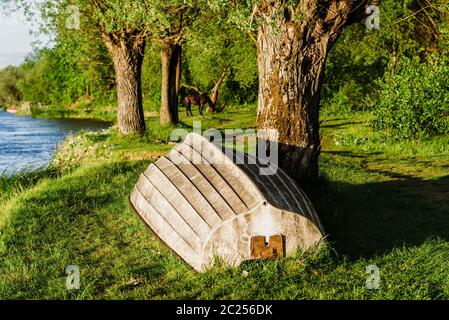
(380, 203)
(82, 109)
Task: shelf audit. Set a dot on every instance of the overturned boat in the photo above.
(203, 206)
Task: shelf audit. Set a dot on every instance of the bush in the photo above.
(348, 97)
(413, 100)
(83, 146)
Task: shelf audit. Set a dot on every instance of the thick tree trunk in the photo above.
(290, 77)
(291, 58)
(171, 78)
(128, 56)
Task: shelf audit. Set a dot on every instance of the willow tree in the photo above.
(123, 26)
(170, 19)
(293, 40)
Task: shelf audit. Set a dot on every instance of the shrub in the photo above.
(347, 98)
(83, 146)
(413, 100)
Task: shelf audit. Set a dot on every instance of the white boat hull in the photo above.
(202, 205)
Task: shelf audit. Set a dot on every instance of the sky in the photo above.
(15, 39)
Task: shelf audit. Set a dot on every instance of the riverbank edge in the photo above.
(79, 110)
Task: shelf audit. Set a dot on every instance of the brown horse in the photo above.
(199, 100)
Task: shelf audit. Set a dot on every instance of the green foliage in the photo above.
(414, 100)
(361, 57)
(32, 85)
(9, 78)
(151, 77)
(73, 70)
(82, 147)
(209, 47)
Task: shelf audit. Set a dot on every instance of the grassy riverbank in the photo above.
(381, 203)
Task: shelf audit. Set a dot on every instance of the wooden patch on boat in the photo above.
(260, 249)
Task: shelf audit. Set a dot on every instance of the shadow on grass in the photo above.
(350, 154)
(363, 220)
(339, 125)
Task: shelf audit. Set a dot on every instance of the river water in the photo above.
(28, 143)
